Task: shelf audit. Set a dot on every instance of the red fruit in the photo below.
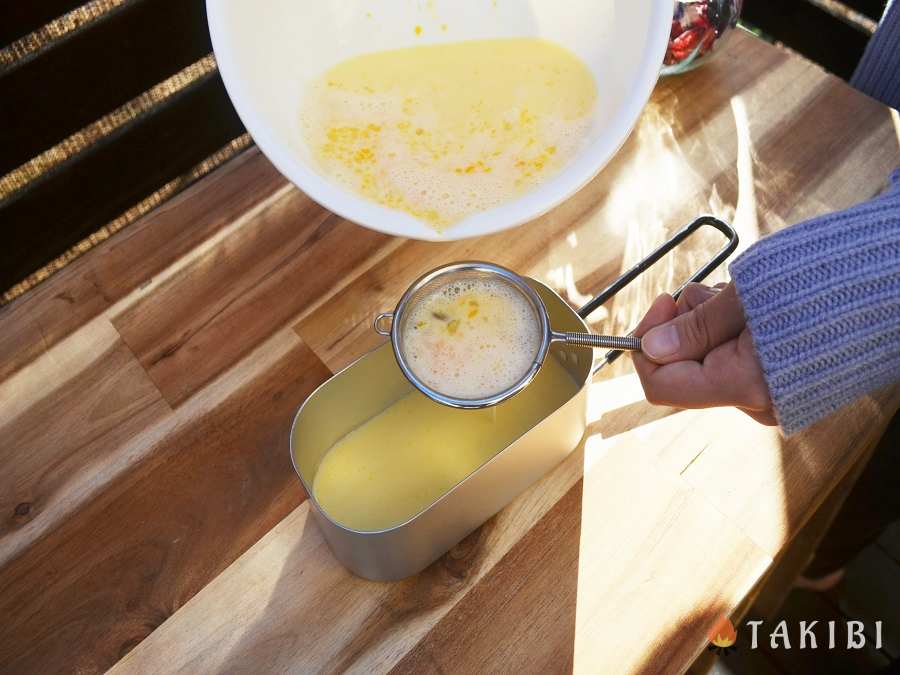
(676, 30)
(687, 40)
(708, 39)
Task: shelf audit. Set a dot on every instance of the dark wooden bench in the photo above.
(54, 92)
(85, 149)
(822, 30)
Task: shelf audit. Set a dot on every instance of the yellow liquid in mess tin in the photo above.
(444, 131)
(396, 464)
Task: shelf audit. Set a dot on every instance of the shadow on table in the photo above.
(678, 644)
(467, 613)
(462, 613)
(519, 613)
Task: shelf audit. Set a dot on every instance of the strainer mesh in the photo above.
(426, 288)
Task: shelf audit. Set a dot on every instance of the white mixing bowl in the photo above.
(269, 50)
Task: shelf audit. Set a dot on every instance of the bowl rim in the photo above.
(531, 205)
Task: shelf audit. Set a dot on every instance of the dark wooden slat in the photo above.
(96, 186)
(810, 31)
(94, 71)
(21, 18)
(871, 8)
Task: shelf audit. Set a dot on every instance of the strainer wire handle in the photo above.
(379, 321)
(654, 257)
(628, 343)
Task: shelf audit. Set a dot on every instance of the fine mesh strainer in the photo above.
(454, 273)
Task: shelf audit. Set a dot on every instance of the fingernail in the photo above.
(660, 342)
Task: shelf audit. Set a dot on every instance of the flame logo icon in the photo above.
(722, 636)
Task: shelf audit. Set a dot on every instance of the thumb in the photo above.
(692, 335)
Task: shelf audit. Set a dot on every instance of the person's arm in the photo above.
(878, 72)
(810, 322)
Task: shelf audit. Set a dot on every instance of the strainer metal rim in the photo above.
(511, 277)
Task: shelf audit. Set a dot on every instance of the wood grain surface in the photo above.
(98, 184)
(151, 521)
(135, 258)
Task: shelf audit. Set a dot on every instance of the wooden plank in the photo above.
(133, 258)
(94, 70)
(473, 609)
(551, 590)
(679, 532)
(811, 31)
(772, 513)
(210, 485)
(679, 512)
(276, 575)
(481, 617)
(365, 626)
(871, 8)
(78, 197)
(786, 170)
(794, 559)
(62, 427)
(341, 329)
(523, 599)
(208, 314)
(21, 18)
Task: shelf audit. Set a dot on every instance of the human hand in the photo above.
(698, 353)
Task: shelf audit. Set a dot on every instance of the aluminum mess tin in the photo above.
(370, 385)
(373, 382)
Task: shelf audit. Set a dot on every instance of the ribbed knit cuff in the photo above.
(878, 72)
(822, 301)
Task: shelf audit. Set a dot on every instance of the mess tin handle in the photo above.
(654, 257)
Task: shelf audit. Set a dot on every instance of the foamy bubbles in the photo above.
(471, 339)
(445, 131)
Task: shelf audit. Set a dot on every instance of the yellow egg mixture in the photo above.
(396, 464)
(471, 339)
(444, 131)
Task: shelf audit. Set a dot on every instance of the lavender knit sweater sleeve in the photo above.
(878, 72)
(822, 301)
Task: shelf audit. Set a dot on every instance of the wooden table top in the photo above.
(151, 520)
